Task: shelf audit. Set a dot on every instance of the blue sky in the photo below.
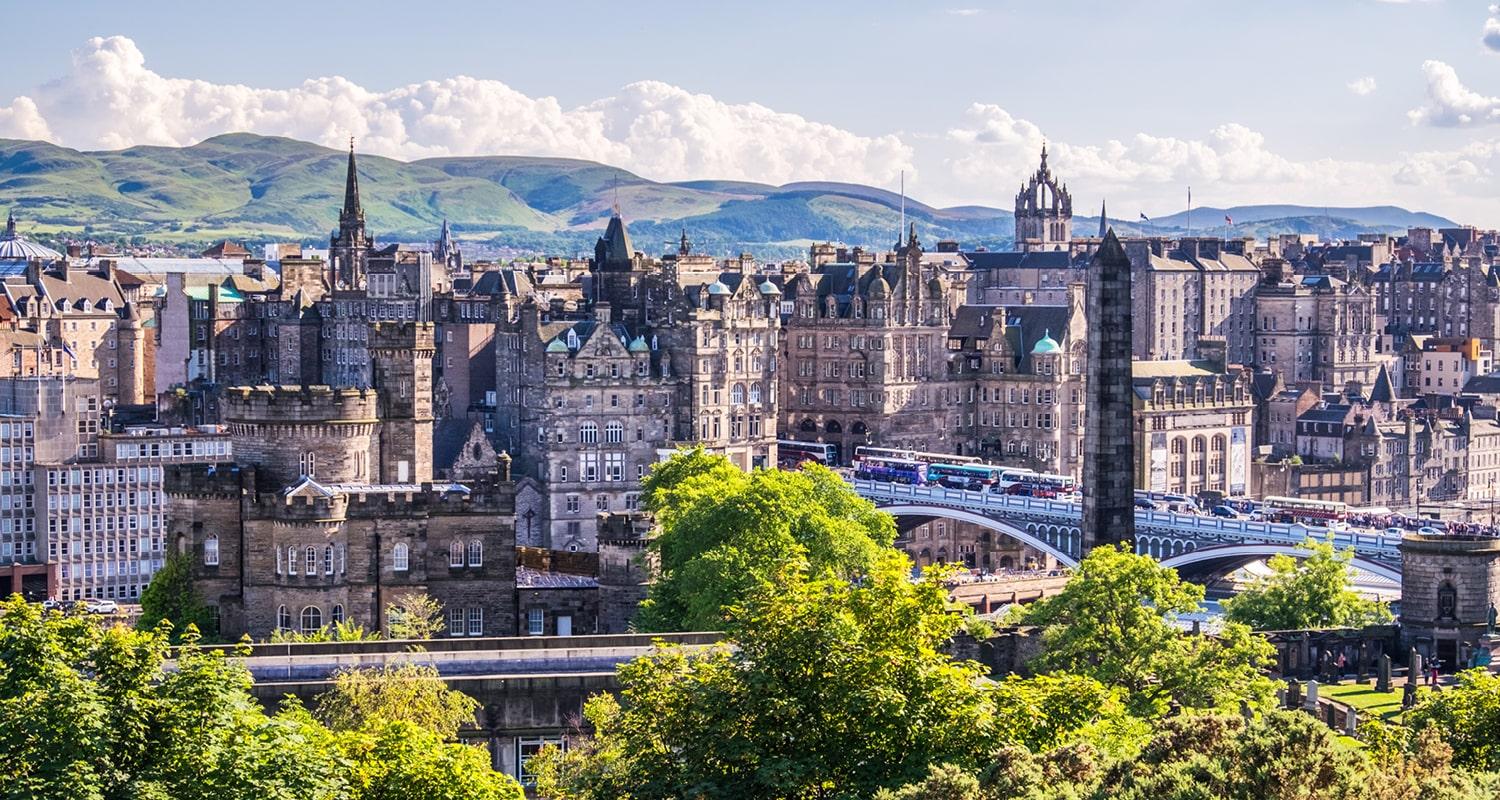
(1310, 101)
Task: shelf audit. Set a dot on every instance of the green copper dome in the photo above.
(1046, 345)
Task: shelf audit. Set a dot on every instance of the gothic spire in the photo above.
(10, 224)
(352, 211)
(1103, 219)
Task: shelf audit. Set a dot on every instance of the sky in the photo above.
(1315, 102)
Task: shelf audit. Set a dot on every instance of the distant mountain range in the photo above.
(260, 188)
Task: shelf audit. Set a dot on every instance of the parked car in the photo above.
(1226, 512)
(54, 604)
(102, 607)
(1141, 502)
(1394, 531)
(1428, 530)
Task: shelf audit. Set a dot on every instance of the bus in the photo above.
(791, 454)
(973, 477)
(1037, 484)
(1315, 513)
(864, 451)
(891, 470)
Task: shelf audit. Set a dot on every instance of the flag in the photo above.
(1144, 217)
(1227, 220)
(69, 351)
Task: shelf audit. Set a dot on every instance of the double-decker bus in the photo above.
(973, 477)
(890, 470)
(864, 451)
(1315, 513)
(791, 454)
(1037, 484)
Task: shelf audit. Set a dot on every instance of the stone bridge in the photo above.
(1192, 543)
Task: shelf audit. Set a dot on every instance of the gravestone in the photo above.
(1409, 696)
(1293, 694)
(1383, 674)
(1414, 667)
(1330, 716)
(1311, 703)
(1351, 721)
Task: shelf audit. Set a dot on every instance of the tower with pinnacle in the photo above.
(1044, 211)
(349, 247)
(1109, 443)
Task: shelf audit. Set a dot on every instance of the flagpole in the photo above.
(1190, 213)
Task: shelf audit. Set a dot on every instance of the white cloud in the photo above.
(111, 99)
(965, 12)
(1363, 86)
(1450, 103)
(1491, 35)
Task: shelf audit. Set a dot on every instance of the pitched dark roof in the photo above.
(1384, 390)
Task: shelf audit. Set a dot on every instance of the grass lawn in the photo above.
(1366, 700)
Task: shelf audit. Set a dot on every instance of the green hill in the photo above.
(262, 188)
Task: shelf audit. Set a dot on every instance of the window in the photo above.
(336, 616)
(401, 558)
(614, 433)
(534, 622)
(588, 433)
(476, 621)
(328, 559)
(283, 619)
(476, 553)
(312, 619)
(456, 554)
(737, 394)
(291, 563)
(211, 551)
(308, 463)
(312, 560)
(455, 621)
(526, 749)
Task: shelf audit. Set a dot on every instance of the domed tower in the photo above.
(1044, 211)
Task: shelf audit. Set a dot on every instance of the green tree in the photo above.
(414, 616)
(1467, 716)
(725, 534)
(413, 693)
(1313, 593)
(1048, 711)
(825, 689)
(172, 597)
(405, 761)
(1114, 621)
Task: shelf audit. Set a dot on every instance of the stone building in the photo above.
(1044, 212)
(866, 356)
(1193, 427)
(1189, 289)
(1449, 588)
(311, 524)
(1316, 329)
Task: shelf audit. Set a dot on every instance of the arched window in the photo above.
(312, 619)
(343, 560)
(291, 561)
(614, 433)
(1198, 444)
(1218, 444)
(401, 557)
(456, 554)
(858, 428)
(211, 551)
(283, 619)
(308, 463)
(754, 393)
(328, 559)
(336, 616)
(808, 426)
(833, 426)
(312, 560)
(737, 394)
(588, 433)
(476, 553)
(1178, 447)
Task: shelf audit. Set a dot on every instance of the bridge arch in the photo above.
(1247, 552)
(960, 515)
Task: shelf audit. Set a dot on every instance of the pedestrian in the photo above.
(1339, 662)
(1432, 672)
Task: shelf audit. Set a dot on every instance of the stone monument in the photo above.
(1450, 588)
(1109, 440)
(1383, 674)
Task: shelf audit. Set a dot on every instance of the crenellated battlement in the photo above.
(292, 404)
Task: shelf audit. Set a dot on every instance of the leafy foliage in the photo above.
(89, 713)
(414, 616)
(1468, 715)
(1113, 622)
(171, 597)
(830, 689)
(410, 693)
(1313, 593)
(346, 631)
(726, 534)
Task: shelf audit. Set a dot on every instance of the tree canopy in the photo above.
(828, 689)
(172, 597)
(90, 713)
(1115, 621)
(725, 533)
(1312, 593)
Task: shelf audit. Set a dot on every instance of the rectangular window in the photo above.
(535, 621)
(476, 622)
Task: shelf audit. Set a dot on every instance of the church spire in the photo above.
(10, 224)
(352, 213)
(1103, 219)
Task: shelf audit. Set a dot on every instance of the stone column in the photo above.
(1109, 436)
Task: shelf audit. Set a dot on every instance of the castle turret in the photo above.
(401, 356)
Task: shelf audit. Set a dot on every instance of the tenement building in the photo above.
(1316, 329)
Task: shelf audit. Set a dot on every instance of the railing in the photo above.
(1365, 542)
